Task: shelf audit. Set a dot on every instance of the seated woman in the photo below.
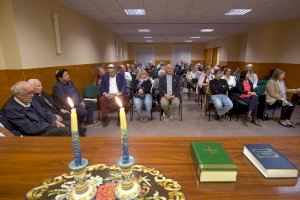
(276, 96)
(204, 79)
(247, 95)
(142, 95)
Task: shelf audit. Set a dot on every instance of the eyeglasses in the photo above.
(27, 93)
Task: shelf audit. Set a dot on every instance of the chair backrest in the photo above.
(91, 91)
(260, 90)
(262, 82)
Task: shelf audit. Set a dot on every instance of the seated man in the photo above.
(46, 101)
(65, 88)
(29, 117)
(5, 125)
(219, 87)
(169, 90)
(113, 84)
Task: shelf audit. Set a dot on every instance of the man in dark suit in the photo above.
(112, 84)
(29, 117)
(169, 90)
(65, 88)
(5, 124)
(46, 101)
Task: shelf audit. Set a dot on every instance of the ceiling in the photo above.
(177, 20)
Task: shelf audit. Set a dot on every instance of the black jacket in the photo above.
(146, 86)
(27, 121)
(51, 105)
(7, 125)
(218, 86)
(175, 86)
(61, 93)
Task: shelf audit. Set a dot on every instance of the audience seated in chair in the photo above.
(65, 88)
(142, 96)
(276, 96)
(253, 77)
(113, 84)
(219, 88)
(204, 79)
(169, 89)
(101, 71)
(6, 128)
(28, 117)
(193, 73)
(46, 101)
(237, 73)
(126, 74)
(248, 96)
(231, 80)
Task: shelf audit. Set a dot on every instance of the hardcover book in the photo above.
(270, 162)
(212, 162)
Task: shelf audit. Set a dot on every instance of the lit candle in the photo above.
(123, 126)
(123, 123)
(75, 135)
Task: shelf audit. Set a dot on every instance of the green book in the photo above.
(212, 162)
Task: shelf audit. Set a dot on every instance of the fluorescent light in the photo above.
(135, 11)
(148, 37)
(188, 40)
(207, 30)
(144, 30)
(195, 37)
(238, 11)
(149, 40)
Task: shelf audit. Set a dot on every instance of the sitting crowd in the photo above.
(30, 111)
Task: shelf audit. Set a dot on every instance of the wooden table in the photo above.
(26, 162)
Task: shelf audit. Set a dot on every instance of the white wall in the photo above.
(83, 40)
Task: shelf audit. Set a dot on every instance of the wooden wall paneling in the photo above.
(4, 87)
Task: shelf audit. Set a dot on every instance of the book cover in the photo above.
(268, 157)
(211, 156)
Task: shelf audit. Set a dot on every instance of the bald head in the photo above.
(169, 69)
(23, 91)
(36, 84)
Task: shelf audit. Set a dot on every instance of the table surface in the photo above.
(26, 162)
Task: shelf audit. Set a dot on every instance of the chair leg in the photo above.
(160, 113)
(181, 111)
(131, 113)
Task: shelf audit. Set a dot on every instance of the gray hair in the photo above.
(32, 82)
(18, 87)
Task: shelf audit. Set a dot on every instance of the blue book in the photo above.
(270, 162)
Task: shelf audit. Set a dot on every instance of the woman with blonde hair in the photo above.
(276, 96)
(142, 95)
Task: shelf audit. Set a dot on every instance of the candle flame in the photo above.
(70, 102)
(119, 102)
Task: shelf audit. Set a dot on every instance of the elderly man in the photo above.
(169, 90)
(253, 77)
(65, 88)
(29, 117)
(113, 84)
(46, 101)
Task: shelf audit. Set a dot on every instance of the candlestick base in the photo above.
(83, 190)
(128, 188)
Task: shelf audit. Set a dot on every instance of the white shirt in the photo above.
(128, 77)
(21, 103)
(113, 88)
(254, 79)
(231, 80)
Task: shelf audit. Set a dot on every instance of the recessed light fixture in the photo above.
(188, 40)
(238, 11)
(195, 37)
(135, 11)
(207, 30)
(149, 40)
(148, 37)
(144, 30)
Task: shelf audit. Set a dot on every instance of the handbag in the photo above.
(138, 95)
